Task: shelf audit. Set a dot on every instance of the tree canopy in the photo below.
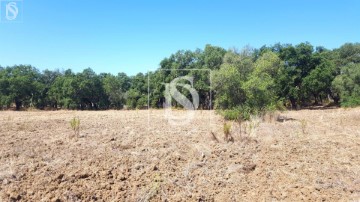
(282, 75)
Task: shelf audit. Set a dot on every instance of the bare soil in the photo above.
(137, 156)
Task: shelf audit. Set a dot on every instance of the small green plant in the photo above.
(75, 126)
(227, 129)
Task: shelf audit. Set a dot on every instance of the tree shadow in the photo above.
(322, 107)
(284, 118)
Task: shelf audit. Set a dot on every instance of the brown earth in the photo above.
(137, 156)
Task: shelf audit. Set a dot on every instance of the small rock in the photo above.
(5, 182)
(122, 178)
(15, 197)
(249, 168)
(60, 177)
(138, 166)
(84, 176)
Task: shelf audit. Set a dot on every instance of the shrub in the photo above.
(238, 113)
(303, 125)
(227, 134)
(352, 101)
(75, 126)
(347, 85)
(231, 114)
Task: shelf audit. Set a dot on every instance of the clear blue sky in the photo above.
(134, 36)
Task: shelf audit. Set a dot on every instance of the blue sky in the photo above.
(134, 36)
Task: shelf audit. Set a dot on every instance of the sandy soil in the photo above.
(137, 156)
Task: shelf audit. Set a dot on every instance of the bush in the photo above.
(227, 133)
(350, 101)
(231, 114)
(347, 85)
(244, 113)
(237, 113)
(227, 128)
(75, 126)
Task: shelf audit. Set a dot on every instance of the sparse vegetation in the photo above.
(126, 101)
(75, 126)
(156, 164)
(303, 126)
(227, 132)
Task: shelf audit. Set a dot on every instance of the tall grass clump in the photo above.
(75, 126)
(227, 132)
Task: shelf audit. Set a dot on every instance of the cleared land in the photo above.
(122, 156)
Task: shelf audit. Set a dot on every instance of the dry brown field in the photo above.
(306, 155)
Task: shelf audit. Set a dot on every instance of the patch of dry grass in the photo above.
(124, 156)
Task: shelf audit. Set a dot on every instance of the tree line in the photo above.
(250, 79)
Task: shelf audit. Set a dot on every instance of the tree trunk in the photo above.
(293, 103)
(316, 100)
(335, 97)
(18, 105)
(321, 100)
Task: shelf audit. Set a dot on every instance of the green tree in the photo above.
(318, 82)
(347, 85)
(299, 62)
(137, 95)
(261, 89)
(228, 81)
(115, 88)
(90, 91)
(212, 57)
(47, 78)
(21, 85)
(63, 92)
(132, 97)
(348, 53)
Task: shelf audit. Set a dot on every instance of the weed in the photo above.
(227, 130)
(303, 125)
(154, 188)
(75, 126)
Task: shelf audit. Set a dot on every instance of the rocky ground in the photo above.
(138, 156)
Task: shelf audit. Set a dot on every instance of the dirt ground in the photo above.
(138, 156)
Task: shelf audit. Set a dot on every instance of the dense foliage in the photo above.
(245, 82)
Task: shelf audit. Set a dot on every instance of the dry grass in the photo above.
(227, 132)
(75, 126)
(125, 157)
